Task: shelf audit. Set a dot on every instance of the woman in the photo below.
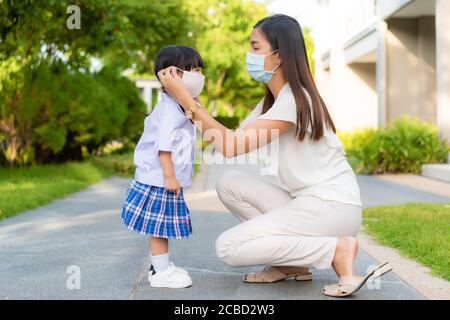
(311, 214)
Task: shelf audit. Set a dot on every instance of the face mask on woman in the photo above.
(255, 66)
(194, 82)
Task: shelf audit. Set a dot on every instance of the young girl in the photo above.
(164, 158)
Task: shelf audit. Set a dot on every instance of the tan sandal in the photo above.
(271, 274)
(349, 285)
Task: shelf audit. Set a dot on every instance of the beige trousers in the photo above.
(278, 229)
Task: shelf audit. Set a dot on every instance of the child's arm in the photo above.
(170, 181)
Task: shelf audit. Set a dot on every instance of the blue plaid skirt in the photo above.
(156, 212)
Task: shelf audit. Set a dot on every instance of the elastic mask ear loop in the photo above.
(271, 53)
(273, 70)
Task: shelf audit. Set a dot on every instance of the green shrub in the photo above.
(400, 147)
(229, 122)
(362, 149)
(116, 164)
(66, 115)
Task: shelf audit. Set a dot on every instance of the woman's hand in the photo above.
(198, 100)
(173, 84)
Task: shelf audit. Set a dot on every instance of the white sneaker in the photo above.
(152, 270)
(179, 269)
(172, 277)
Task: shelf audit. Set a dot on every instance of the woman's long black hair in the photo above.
(183, 57)
(284, 33)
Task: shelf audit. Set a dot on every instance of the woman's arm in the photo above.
(228, 142)
(241, 141)
(170, 181)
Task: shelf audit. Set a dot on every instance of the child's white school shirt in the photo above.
(167, 129)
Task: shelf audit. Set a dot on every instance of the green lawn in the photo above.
(417, 230)
(30, 187)
(26, 188)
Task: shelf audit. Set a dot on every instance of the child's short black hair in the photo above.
(183, 57)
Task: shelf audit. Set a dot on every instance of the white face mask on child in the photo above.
(194, 82)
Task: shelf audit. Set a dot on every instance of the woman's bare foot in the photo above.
(292, 270)
(345, 256)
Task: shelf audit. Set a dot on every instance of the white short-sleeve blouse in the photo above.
(166, 129)
(317, 168)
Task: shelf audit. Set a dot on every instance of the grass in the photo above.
(30, 187)
(116, 164)
(417, 230)
(26, 188)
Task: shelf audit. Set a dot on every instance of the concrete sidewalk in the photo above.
(84, 230)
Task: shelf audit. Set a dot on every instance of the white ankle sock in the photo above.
(160, 262)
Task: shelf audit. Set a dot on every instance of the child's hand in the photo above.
(172, 185)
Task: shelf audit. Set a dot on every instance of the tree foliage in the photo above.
(54, 106)
(220, 30)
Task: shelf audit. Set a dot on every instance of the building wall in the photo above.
(349, 92)
(443, 68)
(427, 69)
(411, 68)
(406, 71)
(348, 89)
